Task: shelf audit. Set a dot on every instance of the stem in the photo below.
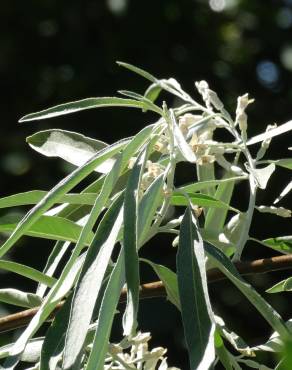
(156, 289)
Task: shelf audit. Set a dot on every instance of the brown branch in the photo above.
(156, 289)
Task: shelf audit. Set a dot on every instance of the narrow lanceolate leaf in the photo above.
(224, 264)
(138, 70)
(151, 200)
(271, 133)
(58, 291)
(130, 241)
(31, 353)
(180, 142)
(202, 185)
(106, 316)
(196, 310)
(53, 261)
(203, 200)
(84, 104)
(19, 298)
(215, 219)
(284, 192)
(35, 196)
(89, 284)
(58, 191)
(27, 272)
(50, 227)
(282, 286)
(169, 280)
(284, 162)
(70, 146)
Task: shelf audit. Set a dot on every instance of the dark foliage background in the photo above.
(56, 51)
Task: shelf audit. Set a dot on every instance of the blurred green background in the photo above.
(57, 51)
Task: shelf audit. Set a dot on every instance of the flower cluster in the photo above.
(133, 353)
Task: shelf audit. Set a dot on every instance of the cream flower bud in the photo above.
(279, 211)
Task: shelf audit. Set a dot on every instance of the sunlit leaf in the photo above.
(130, 241)
(85, 104)
(89, 283)
(19, 298)
(50, 227)
(137, 70)
(151, 200)
(180, 141)
(57, 192)
(196, 310)
(31, 352)
(27, 272)
(203, 200)
(281, 244)
(106, 316)
(271, 133)
(262, 175)
(74, 148)
(282, 286)
(284, 192)
(215, 218)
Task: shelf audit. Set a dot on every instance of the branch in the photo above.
(156, 289)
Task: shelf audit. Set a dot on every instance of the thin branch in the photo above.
(156, 289)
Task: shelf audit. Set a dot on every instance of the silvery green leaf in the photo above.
(19, 298)
(106, 315)
(224, 264)
(89, 283)
(149, 203)
(180, 141)
(284, 192)
(130, 242)
(197, 315)
(84, 104)
(31, 353)
(262, 175)
(271, 133)
(215, 218)
(70, 146)
(58, 191)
